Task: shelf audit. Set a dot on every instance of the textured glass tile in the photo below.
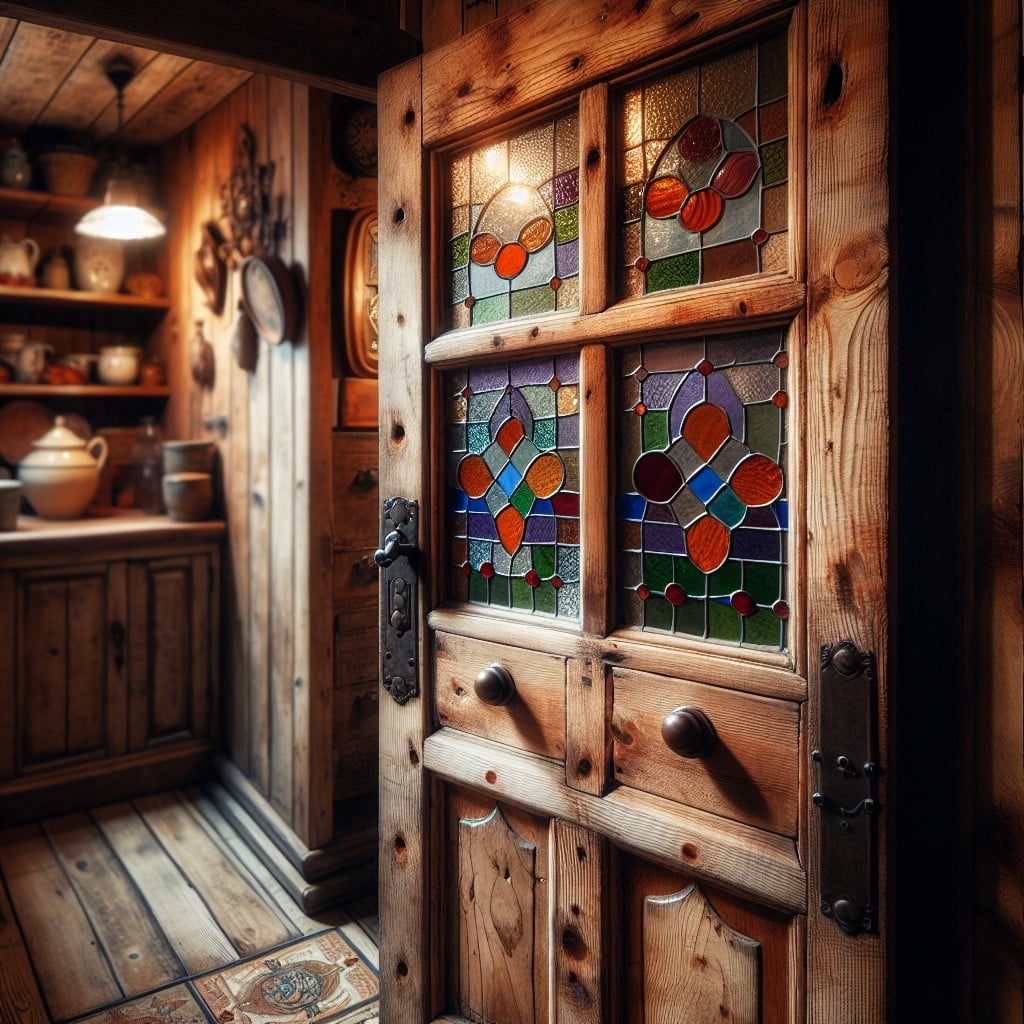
(486, 311)
(775, 208)
(568, 294)
(530, 156)
(709, 467)
(567, 143)
(567, 223)
(533, 301)
(459, 180)
(775, 253)
(697, 214)
(523, 527)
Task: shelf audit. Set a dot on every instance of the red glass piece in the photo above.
(484, 248)
(743, 603)
(466, 391)
(565, 503)
(701, 139)
(657, 477)
(736, 174)
(556, 581)
(640, 409)
(702, 210)
(487, 570)
(675, 594)
(533, 578)
(643, 591)
(511, 527)
(707, 544)
(781, 610)
(470, 302)
(781, 360)
(780, 399)
(642, 263)
(705, 428)
(467, 569)
(664, 197)
(510, 434)
(510, 260)
(705, 367)
(554, 383)
(757, 480)
(475, 476)
(554, 284)
(759, 237)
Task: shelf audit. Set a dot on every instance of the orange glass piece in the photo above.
(702, 210)
(510, 260)
(510, 434)
(665, 196)
(535, 235)
(757, 481)
(707, 543)
(474, 476)
(706, 427)
(484, 249)
(545, 475)
(511, 527)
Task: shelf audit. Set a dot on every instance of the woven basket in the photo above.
(67, 173)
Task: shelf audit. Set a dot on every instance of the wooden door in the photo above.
(634, 372)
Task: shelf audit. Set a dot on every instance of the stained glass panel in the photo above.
(513, 485)
(513, 226)
(703, 505)
(703, 166)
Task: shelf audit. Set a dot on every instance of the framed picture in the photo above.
(360, 291)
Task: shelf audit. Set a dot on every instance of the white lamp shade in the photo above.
(125, 223)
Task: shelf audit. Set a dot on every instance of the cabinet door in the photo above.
(634, 373)
(172, 628)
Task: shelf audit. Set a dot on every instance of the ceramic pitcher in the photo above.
(18, 259)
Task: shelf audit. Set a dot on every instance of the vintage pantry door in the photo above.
(635, 450)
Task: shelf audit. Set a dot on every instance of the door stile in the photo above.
(404, 438)
(847, 486)
(595, 199)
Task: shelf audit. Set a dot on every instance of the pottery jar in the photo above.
(99, 264)
(15, 169)
(62, 473)
(18, 260)
(119, 364)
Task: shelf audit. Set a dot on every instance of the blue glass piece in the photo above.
(632, 507)
(457, 500)
(543, 507)
(781, 508)
(705, 484)
(476, 505)
(727, 508)
(509, 478)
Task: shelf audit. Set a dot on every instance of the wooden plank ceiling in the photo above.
(53, 87)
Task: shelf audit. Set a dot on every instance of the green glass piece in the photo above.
(567, 223)
(486, 311)
(478, 589)
(690, 578)
(774, 161)
(544, 560)
(690, 617)
(532, 301)
(544, 434)
(657, 613)
(762, 582)
(726, 580)
(655, 428)
(544, 598)
(522, 595)
(459, 251)
(764, 423)
(543, 402)
(478, 437)
(723, 622)
(499, 592)
(522, 499)
(658, 571)
(761, 628)
(674, 272)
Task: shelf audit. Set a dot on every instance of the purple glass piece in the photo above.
(762, 516)
(687, 396)
(663, 537)
(567, 369)
(567, 259)
(759, 545)
(481, 527)
(721, 393)
(568, 431)
(660, 513)
(541, 530)
(567, 187)
(488, 378)
(536, 371)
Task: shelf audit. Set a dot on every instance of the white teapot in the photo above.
(18, 260)
(62, 474)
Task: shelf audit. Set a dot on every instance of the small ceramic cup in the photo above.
(10, 502)
(188, 497)
(189, 456)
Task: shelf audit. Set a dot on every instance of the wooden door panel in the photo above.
(533, 720)
(750, 775)
(44, 671)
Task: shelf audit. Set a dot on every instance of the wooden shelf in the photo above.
(55, 298)
(81, 391)
(43, 207)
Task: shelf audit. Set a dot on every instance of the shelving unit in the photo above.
(81, 391)
(55, 298)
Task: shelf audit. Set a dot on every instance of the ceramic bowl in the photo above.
(119, 364)
(188, 497)
(189, 456)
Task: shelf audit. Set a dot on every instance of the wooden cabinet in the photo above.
(109, 634)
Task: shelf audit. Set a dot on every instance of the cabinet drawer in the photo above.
(535, 718)
(751, 775)
(356, 579)
(356, 513)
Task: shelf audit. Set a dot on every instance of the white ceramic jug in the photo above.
(18, 259)
(62, 474)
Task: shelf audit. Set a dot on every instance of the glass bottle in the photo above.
(148, 457)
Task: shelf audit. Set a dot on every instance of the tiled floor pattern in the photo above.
(316, 980)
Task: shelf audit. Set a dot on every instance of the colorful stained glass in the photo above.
(703, 164)
(513, 226)
(513, 485)
(703, 508)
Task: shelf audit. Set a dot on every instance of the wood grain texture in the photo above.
(588, 695)
(695, 964)
(20, 999)
(746, 859)
(8, 719)
(595, 199)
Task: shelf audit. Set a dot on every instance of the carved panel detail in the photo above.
(697, 968)
(497, 896)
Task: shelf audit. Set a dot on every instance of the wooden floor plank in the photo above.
(73, 974)
(20, 1001)
(135, 947)
(251, 921)
(190, 928)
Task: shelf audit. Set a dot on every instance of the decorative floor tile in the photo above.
(171, 1006)
(316, 979)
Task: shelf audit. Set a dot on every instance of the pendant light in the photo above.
(121, 217)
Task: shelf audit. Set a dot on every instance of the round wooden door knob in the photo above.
(494, 685)
(688, 732)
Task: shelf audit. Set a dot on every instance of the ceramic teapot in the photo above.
(18, 260)
(62, 474)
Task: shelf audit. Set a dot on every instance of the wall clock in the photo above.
(268, 292)
(360, 290)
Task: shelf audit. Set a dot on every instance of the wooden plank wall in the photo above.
(445, 20)
(271, 427)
